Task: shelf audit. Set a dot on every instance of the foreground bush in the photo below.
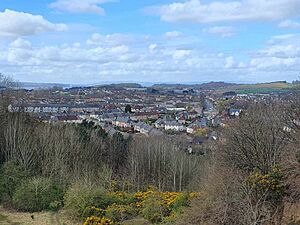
(80, 197)
(38, 194)
(120, 212)
(152, 205)
(97, 221)
(12, 175)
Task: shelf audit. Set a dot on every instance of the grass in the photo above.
(40, 218)
(136, 221)
(258, 88)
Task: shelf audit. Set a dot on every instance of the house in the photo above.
(160, 123)
(136, 108)
(144, 116)
(39, 108)
(234, 112)
(123, 122)
(192, 128)
(85, 108)
(181, 120)
(66, 119)
(146, 129)
(174, 126)
(193, 114)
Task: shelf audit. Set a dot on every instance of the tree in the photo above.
(8, 84)
(257, 140)
(255, 145)
(128, 109)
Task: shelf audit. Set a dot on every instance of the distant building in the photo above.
(174, 126)
(234, 112)
(123, 122)
(39, 108)
(146, 129)
(66, 119)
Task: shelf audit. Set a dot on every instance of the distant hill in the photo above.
(122, 85)
(210, 85)
(223, 87)
(30, 85)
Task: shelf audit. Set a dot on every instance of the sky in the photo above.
(158, 41)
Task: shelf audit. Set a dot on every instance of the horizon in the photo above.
(167, 41)
(37, 85)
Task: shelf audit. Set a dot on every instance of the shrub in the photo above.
(120, 212)
(12, 175)
(180, 201)
(97, 221)
(121, 198)
(93, 211)
(55, 206)
(37, 194)
(79, 197)
(153, 209)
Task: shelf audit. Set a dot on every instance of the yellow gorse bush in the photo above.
(92, 220)
(134, 204)
(271, 182)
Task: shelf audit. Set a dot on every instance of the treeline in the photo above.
(51, 158)
(253, 177)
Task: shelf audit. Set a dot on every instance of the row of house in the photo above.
(54, 108)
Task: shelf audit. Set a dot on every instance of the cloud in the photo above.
(20, 43)
(152, 47)
(110, 39)
(147, 61)
(80, 6)
(219, 11)
(222, 31)
(229, 62)
(289, 24)
(172, 34)
(282, 54)
(16, 24)
(282, 51)
(79, 62)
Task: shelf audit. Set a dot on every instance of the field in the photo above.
(259, 88)
(41, 218)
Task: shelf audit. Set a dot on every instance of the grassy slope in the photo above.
(41, 218)
(258, 88)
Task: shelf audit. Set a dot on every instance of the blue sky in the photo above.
(92, 41)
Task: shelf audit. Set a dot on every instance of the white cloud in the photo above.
(219, 11)
(20, 43)
(17, 24)
(276, 64)
(172, 34)
(80, 6)
(152, 47)
(284, 51)
(82, 63)
(180, 54)
(110, 39)
(222, 31)
(78, 63)
(229, 62)
(289, 24)
(282, 54)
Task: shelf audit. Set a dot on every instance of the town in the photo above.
(189, 113)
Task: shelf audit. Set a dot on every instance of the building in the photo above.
(174, 126)
(234, 112)
(39, 108)
(123, 122)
